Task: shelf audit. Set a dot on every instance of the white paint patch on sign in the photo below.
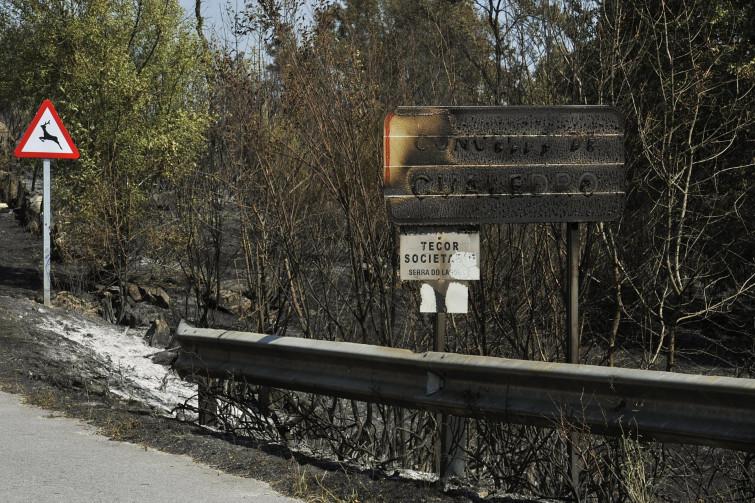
(441, 255)
(428, 304)
(457, 297)
(441, 297)
(464, 266)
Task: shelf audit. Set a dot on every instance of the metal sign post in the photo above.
(444, 258)
(46, 228)
(572, 323)
(54, 142)
(572, 288)
(450, 457)
(439, 346)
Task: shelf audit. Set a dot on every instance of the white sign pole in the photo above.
(46, 228)
(54, 143)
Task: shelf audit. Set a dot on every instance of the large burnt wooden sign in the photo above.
(474, 165)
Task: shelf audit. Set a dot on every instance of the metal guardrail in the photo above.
(706, 410)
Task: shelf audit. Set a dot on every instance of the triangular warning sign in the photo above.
(47, 137)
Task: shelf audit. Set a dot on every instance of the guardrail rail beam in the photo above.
(694, 409)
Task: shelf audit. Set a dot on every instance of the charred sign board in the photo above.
(473, 165)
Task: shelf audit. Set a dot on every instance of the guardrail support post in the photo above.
(206, 404)
(453, 440)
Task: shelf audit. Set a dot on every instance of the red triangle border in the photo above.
(46, 105)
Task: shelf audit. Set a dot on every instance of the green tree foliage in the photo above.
(424, 47)
(128, 77)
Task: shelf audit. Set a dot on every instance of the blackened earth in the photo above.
(59, 375)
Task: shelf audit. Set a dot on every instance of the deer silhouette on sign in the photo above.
(48, 136)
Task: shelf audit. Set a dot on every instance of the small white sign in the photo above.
(433, 256)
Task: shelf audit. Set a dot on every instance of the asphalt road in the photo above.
(48, 458)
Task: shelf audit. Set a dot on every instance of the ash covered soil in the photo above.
(65, 358)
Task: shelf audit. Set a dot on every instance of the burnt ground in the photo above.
(57, 374)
